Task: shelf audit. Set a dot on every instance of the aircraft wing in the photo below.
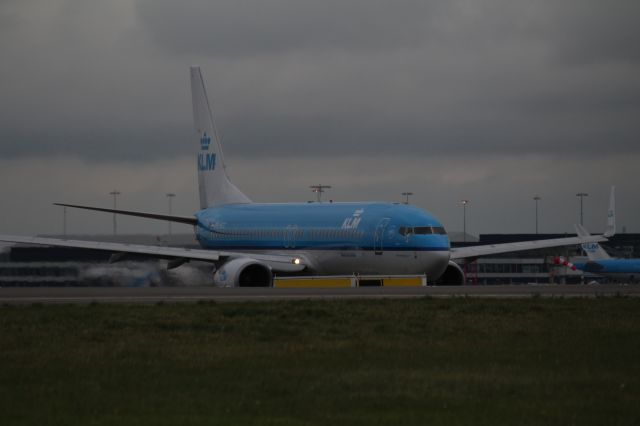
(282, 263)
(471, 252)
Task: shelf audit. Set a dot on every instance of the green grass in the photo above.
(358, 362)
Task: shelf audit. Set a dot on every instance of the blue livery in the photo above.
(624, 269)
(376, 227)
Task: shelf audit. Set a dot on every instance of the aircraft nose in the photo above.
(436, 263)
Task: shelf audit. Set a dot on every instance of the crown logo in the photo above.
(205, 141)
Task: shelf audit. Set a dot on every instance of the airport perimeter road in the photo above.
(48, 295)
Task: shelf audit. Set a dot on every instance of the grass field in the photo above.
(357, 362)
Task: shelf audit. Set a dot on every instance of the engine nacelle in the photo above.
(453, 275)
(243, 272)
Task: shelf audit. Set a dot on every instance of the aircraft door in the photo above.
(290, 236)
(378, 238)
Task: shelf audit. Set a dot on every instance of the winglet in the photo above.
(581, 231)
(593, 249)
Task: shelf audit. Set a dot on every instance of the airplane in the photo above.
(600, 262)
(248, 242)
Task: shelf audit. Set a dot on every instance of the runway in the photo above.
(142, 295)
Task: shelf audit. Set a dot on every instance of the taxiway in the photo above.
(140, 295)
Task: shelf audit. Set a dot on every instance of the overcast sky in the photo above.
(494, 101)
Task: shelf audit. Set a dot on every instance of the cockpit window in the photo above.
(421, 230)
(439, 230)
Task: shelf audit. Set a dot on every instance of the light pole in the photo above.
(464, 219)
(64, 221)
(581, 195)
(170, 196)
(406, 194)
(115, 194)
(319, 189)
(537, 198)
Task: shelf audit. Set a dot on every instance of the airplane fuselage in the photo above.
(332, 238)
(618, 269)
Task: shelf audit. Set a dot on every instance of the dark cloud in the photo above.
(98, 143)
(467, 88)
(579, 31)
(324, 137)
(489, 76)
(322, 78)
(232, 27)
(591, 32)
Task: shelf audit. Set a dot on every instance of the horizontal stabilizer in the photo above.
(189, 220)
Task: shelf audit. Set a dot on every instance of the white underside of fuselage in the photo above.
(368, 262)
(620, 276)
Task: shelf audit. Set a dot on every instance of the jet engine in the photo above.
(453, 275)
(243, 272)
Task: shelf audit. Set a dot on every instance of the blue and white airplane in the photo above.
(250, 242)
(600, 262)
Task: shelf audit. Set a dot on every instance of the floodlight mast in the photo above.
(170, 196)
(464, 219)
(406, 194)
(536, 199)
(115, 194)
(319, 189)
(64, 221)
(581, 195)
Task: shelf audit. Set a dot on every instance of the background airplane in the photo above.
(250, 242)
(600, 262)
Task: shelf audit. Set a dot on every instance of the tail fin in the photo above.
(213, 182)
(611, 214)
(593, 250)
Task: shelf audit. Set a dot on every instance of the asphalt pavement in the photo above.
(136, 295)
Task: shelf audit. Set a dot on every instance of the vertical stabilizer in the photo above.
(611, 214)
(594, 250)
(213, 182)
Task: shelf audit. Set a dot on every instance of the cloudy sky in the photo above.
(494, 101)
